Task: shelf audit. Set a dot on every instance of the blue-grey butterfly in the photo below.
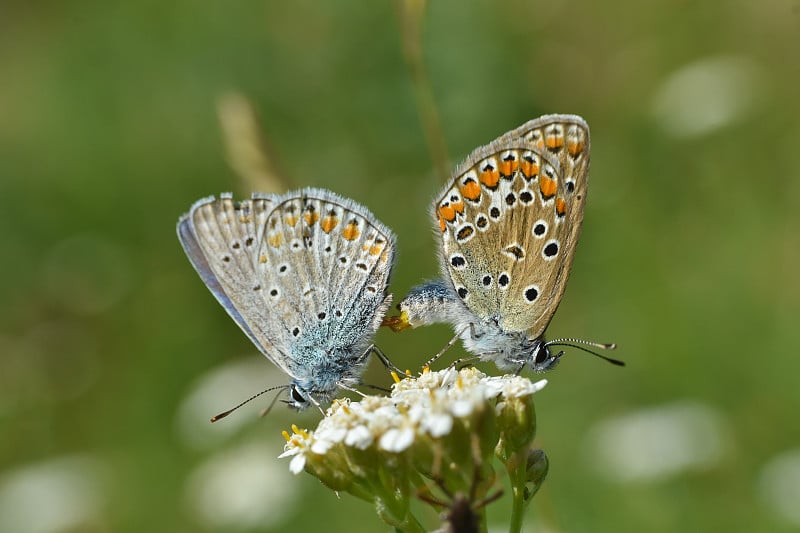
(303, 274)
(509, 221)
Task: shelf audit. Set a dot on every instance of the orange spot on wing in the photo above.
(262, 259)
(547, 186)
(447, 212)
(554, 141)
(328, 223)
(375, 249)
(508, 167)
(350, 232)
(471, 190)
(291, 220)
(561, 207)
(458, 207)
(529, 168)
(575, 147)
(275, 239)
(311, 217)
(489, 177)
(442, 225)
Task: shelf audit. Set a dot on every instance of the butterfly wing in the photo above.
(510, 220)
(565, 138)
(328, 263)
(222, 238)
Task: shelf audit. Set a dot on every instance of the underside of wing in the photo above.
(565, 138)
(221, 237)
(510, 220)
(326, 262)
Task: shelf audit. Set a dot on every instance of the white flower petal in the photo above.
(332, 434)
(397, 440)
(297, 463)
(438, 425)
(359, 437)
(425, 405)
(288, 452)
(539, 385)
(462, 408)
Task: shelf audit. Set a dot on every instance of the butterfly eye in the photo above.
(296, 396)
(542, 355)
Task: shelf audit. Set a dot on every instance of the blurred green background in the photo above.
(113, 354)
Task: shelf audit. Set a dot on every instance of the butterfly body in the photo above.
(435, 302)
(303, 274)
(509, 221)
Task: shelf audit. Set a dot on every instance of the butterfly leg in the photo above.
(316, 404)
(385, 361)
(450, 344)
(520, 362)
(375, 387)
(521, 367)
(461, 360)
(481, 356)
(351, 389)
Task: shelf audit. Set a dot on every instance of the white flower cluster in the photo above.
(423, 406)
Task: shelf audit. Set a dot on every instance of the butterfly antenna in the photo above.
(266, 410)
(250, 399)
(575, 343)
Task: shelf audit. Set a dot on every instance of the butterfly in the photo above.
(303, 274)
(509, 221)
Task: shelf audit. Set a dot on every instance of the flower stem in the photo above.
(410, 525)
(517, 511)
(517, 476)
(482, 519)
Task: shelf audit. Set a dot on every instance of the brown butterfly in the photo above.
(509, 221)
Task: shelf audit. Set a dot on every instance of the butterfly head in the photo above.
(311, 392)
(541, 358)
(318, 383)
(299, 398)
